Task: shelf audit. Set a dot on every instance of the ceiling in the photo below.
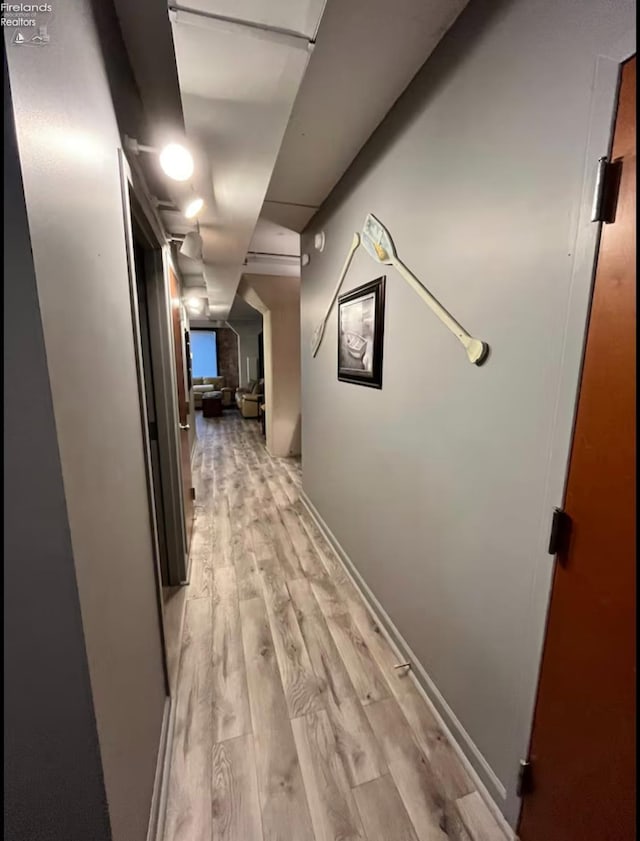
(366, 54)
(240, 314)
(242, 311)
(275, 100)
(273, 250)
(238, 84)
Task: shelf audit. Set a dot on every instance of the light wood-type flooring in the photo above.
(291, 722)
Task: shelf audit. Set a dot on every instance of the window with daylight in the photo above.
(204, 353)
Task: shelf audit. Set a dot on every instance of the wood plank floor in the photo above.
(291, 722)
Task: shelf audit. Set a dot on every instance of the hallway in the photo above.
(292, 723)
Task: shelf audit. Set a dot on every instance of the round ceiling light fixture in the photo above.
(193, 207)
(176, 162)
(195, 304)
(319, 241)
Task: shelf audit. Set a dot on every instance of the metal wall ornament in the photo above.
(379, 245)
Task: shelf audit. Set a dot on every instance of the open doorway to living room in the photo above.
(226, 367)
(214, 365)
(246, 324)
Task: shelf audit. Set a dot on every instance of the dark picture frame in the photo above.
(361, 334)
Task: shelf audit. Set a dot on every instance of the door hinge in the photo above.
(153, 431)
(524, 778)
(193, 494)
(560, 532)
(605, 196)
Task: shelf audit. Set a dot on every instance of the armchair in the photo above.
(248, 399)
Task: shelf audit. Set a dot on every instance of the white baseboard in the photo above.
(479, 770)
(161, 782)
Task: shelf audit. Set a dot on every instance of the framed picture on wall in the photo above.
(360, 334)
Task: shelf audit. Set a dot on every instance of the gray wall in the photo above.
(68, 141)
(53, 773)
(248, 346)
(438, 486)
(277, 297)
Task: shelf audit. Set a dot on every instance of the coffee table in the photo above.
(212, 404)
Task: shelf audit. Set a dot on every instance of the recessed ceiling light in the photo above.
(176, 162)
(193, 208)
(195, 304)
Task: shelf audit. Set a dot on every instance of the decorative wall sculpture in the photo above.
(379, 245)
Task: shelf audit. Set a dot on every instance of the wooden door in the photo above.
(183, 407)
(583, 743)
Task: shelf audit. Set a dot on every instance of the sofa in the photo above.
(202, 385)
(248, 399)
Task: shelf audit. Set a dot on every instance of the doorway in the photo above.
(151, 311)
(184, 408)
(260, 356)
(151, 400)
(582, 750)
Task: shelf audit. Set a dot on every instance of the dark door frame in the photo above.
(141, 227)
(143, 254)
(181, 396)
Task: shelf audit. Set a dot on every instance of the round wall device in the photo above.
(305, 259)
(318, 241)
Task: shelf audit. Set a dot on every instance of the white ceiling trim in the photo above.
(238, 84)
(294, 17)
(221, 23)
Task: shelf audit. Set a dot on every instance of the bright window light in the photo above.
(193, 208)
(204, 352)
(176, 162)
